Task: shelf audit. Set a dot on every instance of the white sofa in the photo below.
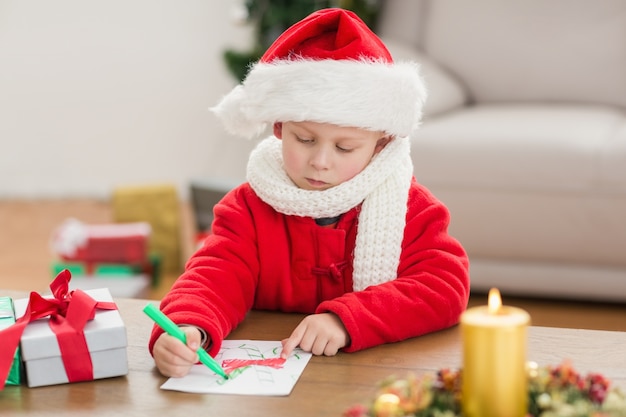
(524, 136)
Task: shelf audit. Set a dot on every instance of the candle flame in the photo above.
(495, 301)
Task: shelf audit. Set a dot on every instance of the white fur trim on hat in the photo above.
(365, 93)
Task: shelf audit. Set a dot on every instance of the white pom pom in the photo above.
(236, 121)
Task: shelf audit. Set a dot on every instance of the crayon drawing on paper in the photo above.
(254, 368)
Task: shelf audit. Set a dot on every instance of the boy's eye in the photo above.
(342, 149)
(303, 140)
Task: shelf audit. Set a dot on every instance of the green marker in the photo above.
(173, 330)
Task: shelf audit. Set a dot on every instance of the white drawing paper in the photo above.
(249, 380)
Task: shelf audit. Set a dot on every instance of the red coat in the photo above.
(257, 258)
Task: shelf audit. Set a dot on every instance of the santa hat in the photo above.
(328, 68)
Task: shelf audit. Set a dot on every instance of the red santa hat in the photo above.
(328, 68)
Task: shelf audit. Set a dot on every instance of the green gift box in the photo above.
(151, 267)
(7, 319)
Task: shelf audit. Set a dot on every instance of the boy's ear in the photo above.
(382, 142)
(278, 130)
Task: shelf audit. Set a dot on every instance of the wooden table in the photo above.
(328, 386)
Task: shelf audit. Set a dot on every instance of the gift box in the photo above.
(159, 206)
(150, 267)
(55, 350)
(112, 242)
(7, 319)
(122, 286)
(205, 194)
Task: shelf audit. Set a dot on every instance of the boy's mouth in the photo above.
(315, 183)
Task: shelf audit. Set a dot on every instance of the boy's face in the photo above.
(319, 156)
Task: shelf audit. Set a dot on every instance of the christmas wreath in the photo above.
(552, 392)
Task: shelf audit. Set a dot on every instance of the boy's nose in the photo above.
(320, 158)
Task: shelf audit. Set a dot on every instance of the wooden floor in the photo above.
(27, 226)
(25, 259)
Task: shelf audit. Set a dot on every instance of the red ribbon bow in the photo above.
(69, 311)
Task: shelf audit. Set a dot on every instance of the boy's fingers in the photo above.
(178, 349)
(172, 357)
(193, 337)
(288, 346)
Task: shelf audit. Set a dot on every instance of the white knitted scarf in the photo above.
(382, 187)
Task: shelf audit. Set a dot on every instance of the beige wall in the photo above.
(102, 93)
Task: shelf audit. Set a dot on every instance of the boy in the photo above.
(331, 221)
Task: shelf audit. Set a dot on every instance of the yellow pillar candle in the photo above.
(494, 380)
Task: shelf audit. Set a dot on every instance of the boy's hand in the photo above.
(172, 357)
(320, 334)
